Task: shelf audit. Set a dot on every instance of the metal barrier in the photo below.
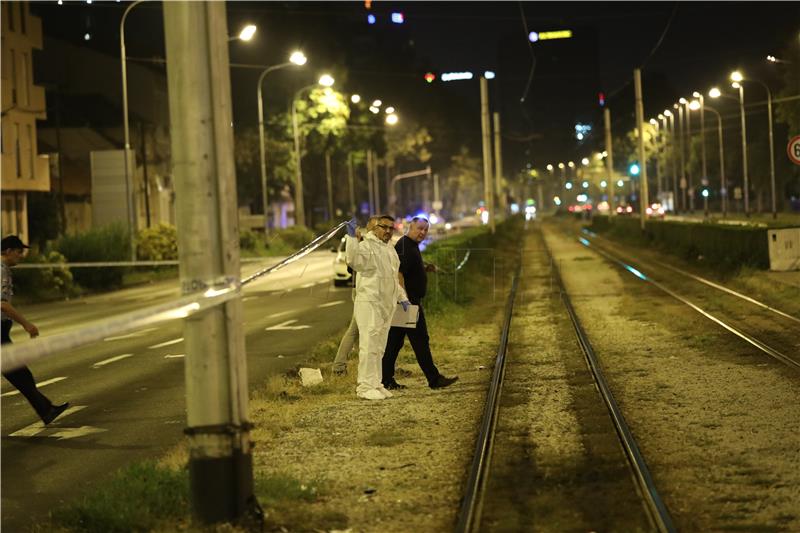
(227, 289)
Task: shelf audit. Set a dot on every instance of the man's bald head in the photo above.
(418, 229)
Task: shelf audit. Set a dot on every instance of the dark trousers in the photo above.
(419, 342)
(22, 379)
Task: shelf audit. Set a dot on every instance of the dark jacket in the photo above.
(412, 268)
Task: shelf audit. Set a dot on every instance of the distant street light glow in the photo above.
(247, 32)
(714, 93)
(585, 161)
(705, 193)
(398, 18)
(389, 110)
(667, 113)
(489, 75)
(550, 168)
(634, 169)
(571, 164)
(391, 119)
(374, 110)
(568, 186)
(87, 36)
(603, 184)
(298, 58)
(736, 76)
(694, 105)
(370, 19)
(579, 136)
(355, 98)
(653, 122)
(585, 184)
(454, 76)
(581, 197)
(561, 165)
(682, 101)
(620, 183)
(377, 103)
(326, 80)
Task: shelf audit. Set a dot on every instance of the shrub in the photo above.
(294, 237)
(159, 243)
(44, 283)
(248, 240)
(107, 243)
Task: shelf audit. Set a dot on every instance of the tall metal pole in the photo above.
(488, 193)
(262, 144)
(370, 193)
(299, 206)
(436, 199)
(658, 142)
(689, 184)
(498, 165)
(771, 149)
(351, 183)
(674, 158)
(744, 153)
(643, 199)
(682, 159)
(220, 460)
(704, 178)
(329, 181)
(609, 162)
(723, 184)
(129, 191)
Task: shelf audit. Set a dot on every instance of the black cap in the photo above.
(13, 242)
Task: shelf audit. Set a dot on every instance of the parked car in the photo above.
(342, 274)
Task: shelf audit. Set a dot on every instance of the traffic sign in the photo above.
(793, 150)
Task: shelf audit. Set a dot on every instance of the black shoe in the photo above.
(442, 382)
(393, 385)
(54, 412)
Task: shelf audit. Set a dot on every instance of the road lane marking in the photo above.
(38, 385)
(286, 326)
(174, 356)
(167, 343)
(331, 304)
(276, 315)
(38, 429)
(249, 298)
(130, 335)
(111, 360)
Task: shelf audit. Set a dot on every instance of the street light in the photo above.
(736, 77)
(723, 184)
(245, 34)
(669, 116)
(356, 98)
(297, 58)
(682, 154)
(740, 79)
(391, 119)
(299, 209)
(585, 161)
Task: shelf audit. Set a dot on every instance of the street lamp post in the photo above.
(704, 177)
(671, 116)
(738, 85)
(656, 139)
(126, 131)
(297, 58)
(771, 142)
(723, 184)
(689, 185)
(299, 208)
(682, 160)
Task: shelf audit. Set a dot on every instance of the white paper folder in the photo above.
(405, 319)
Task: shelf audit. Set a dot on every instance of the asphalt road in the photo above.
(127, 392)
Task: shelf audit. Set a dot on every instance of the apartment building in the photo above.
(23, 103)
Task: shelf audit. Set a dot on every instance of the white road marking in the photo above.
(331, 304)
(39, 385)
(286, 326)
(174, 356)
(130, 335)
(167, 343)
(40, 430)
(276, 315)
(249, 298)
(111, 360)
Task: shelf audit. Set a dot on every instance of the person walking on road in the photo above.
(378, 292)
(351, 335)
(413, 273)
(12, 253)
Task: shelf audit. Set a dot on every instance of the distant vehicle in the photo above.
(656, 210)
(624, 209)
(342, 274)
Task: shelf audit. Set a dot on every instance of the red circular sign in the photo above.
(793, 150)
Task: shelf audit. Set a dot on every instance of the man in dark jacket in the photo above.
(413, 272)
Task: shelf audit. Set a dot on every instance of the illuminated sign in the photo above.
(453, 76)
(549, 35)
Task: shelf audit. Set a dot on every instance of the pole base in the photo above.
(222, 490)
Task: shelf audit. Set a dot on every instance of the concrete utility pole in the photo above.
(498, 165)
(609, 162)
(198, 75)
(370, 193)
(486, 134)
(643, 195)
(682, 159)
(744, 153)
(673, 157)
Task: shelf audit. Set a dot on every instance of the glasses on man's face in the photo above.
(384, 226)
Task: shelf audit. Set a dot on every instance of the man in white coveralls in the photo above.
(378, 292)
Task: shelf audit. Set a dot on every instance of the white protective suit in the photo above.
(377, 293)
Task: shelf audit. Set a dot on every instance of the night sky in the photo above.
(702, 42)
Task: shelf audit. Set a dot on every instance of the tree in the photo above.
(464, 184)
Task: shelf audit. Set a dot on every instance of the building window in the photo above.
(23, 8)
(13, 75)
(17, 151)
(10, 15)
(31, 151)
(25, 85)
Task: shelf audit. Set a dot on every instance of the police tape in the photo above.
(185, 306)
(134, 264)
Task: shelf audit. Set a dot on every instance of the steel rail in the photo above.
(472, 503)
(772, 352)
(654, 505)
(204, 296)
(718, 287)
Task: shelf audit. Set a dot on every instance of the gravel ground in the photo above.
(716, 421)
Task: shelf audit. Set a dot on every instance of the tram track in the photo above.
(750, 325)
(474, 504)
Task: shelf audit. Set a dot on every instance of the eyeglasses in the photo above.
(384, 226)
